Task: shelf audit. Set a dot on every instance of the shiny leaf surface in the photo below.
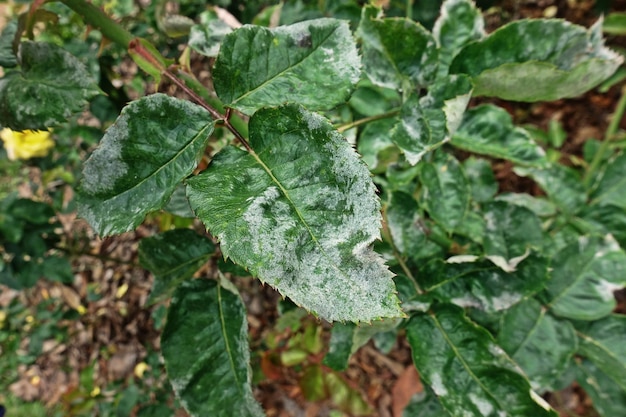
(205, 347)
(489, 130)
(259, 67)
(153, 145)
(470, 374)
(539, 343)
(537, 60)
(584, 276)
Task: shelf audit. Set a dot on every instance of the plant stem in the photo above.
(609, 135)
(356, 123)
(98, 19)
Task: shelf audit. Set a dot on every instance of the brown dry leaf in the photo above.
(405, 387)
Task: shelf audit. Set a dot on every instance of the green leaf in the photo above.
(206, 37)
(446, 191)
(259, 67)
(408, 229)
(426, 123)
(610, 188)
(489, 130)
(615, 23)
(397, 53)
(424, 404)
(340, 346)
(511, 232)
(173, 256)
(562, 184)
(7, 55)
(375, 145)
(470, 282)
(537, 60)
(470, 374)
(205, 347)
(608, 398)
(51, 86)
(540, 344)
(459, 23)
(608, 219)
(538, 205)
(602, 342)
(584, 276)
(299, 212)
(153, 145)
(481, 178)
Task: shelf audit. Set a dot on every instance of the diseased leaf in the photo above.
(375, 145)
(205, 347)
(299, 212)
(511, 232)
(489, 130)
(602, 342)
(471, 282)
(470, 374)
(173, 256)
(537, 60)
(206, 37)
(608, 219)
(610, 189)
(584, 276)
(259, 67)
(459, 23)
(397, 53)
(7, 55)
(538, 205)
(426, 123)
(481, 178)
(50, 86)
(408, 229)
(562, 184)
(424, 404)
(153, 145)
(340, 346)
(446, 191)
(608, 398)
(540, 344)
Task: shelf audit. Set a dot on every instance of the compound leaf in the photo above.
(489, 130)
(152, 146)
(299, 212)
(259, 67)
(584, 276)
(470, 374)
(173, 256)
(537, 60)
(540, 344)
(205, 347)
(50, 86)
(602, 342)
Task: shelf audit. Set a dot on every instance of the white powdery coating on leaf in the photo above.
(436, 383)
(484, 406)
(105, 166)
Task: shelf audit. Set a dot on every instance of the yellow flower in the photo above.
(26, 144)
